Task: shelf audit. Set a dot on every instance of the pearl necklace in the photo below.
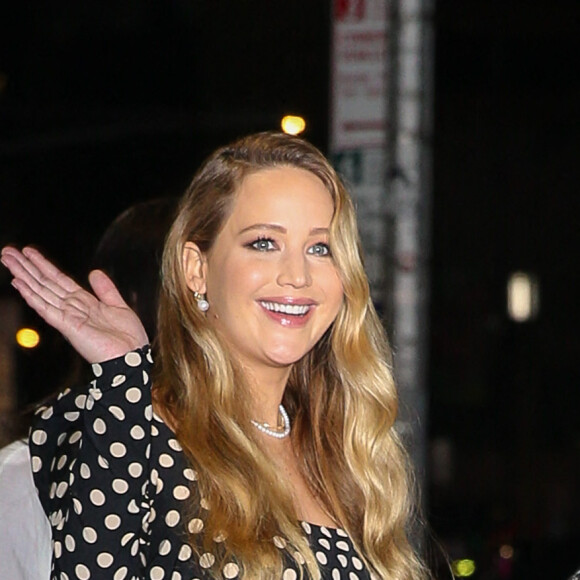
(265, 428)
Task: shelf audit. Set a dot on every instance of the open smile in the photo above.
(288, 314)
(291, 309)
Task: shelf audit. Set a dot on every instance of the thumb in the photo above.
(105, 289)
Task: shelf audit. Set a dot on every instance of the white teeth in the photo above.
(294, 309)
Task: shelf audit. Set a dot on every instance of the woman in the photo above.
(268, 450)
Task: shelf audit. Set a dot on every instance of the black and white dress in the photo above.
(115, 483)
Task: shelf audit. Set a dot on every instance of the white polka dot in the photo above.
(80, 401)
(184, 553)
(57, 549)
(117, 412)
(75, 437)
(190, 474)
(127, 538)
(325, 531)
(166, 460)
(231, 570)
(117, 449)
(164, 548)
(97, 369)
(324, 543)
(85, 471)
(299, 557)
(36, 464)
(137, 432)
(341, 532)
(47, 413)
(135, 548)
(90, 535)
(342, 559)
(335, 574)
(97, 497)
(61, 461)
(341, 545)
(206, 560)
(154, 431)
(174, 444)
(157, 573)
(133, 359)
(148, 413)
(279, 542)
(120, 485)
(105, 560)
(112, 521)
(135, 469)
(102, 462)
(99, 426)
(357, 563)
(352, 576)
(172, 518)
(61, 489)
(195, 526)
(306, 527)
(78, 506)
(321, 557)
(71, 416)
(289, 574)
(176, 576)
(39, 437)
(181, 492)
(159, 485)
(118, 380)
(133, 395)
(121, 573)
(90, 403)
(133, 508)
(220, 538)
(82, 572)
(204, 503)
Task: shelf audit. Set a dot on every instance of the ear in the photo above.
(194, 268)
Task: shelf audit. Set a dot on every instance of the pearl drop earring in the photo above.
(202, 303)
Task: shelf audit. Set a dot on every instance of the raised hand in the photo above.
(99, 326)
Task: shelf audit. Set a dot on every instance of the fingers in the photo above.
(47, 270)
(43, 281)
(105, 290)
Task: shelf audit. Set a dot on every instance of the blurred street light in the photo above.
(293, 125)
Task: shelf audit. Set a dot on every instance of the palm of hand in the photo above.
(99, 326)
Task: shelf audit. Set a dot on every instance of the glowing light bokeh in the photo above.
(463, 568)
(293, 125)
(522, 297)
(27, 338)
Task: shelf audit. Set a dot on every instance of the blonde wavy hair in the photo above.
(341, 396)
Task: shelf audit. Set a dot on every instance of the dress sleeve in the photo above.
(90, 454)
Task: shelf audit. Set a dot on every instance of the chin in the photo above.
(283, 359)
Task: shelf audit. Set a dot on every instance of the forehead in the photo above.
(287, 192)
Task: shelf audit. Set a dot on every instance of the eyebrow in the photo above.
(281, 229)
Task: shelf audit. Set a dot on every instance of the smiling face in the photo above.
(270, 279)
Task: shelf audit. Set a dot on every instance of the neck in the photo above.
(268, 389)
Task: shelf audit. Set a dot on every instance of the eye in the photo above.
(320, 249)
(262, 245)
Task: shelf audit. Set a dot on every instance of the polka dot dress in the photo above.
(116, 486)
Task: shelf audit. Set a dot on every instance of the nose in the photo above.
(294, 270)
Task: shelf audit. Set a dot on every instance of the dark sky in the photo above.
(107, 103)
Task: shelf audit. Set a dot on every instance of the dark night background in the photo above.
(103, 104)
